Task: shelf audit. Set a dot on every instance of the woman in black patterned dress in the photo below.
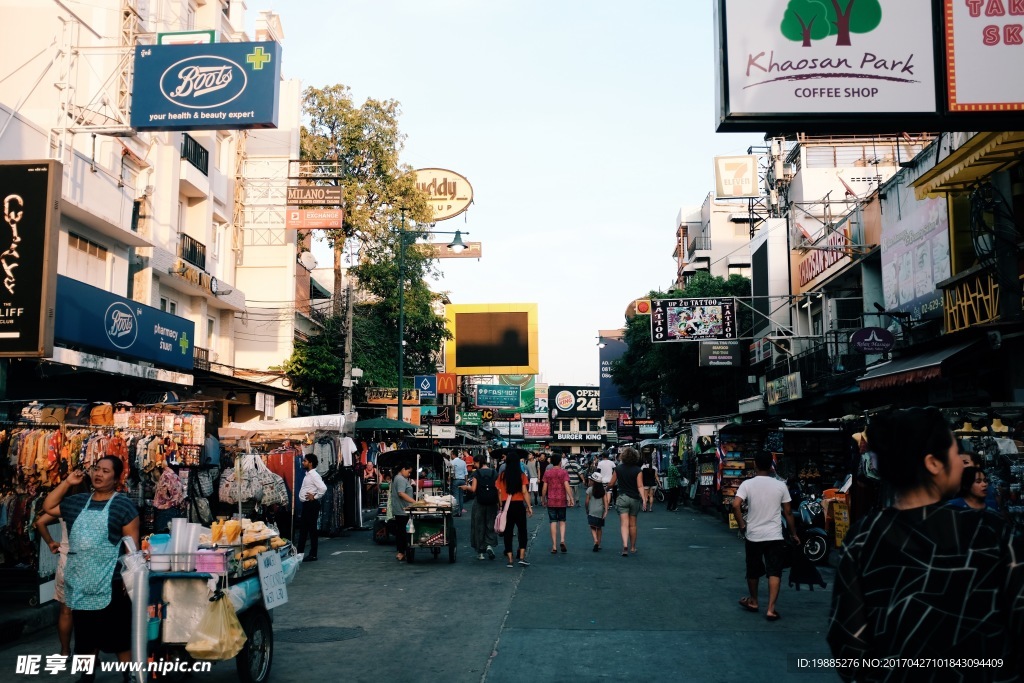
(923, 581)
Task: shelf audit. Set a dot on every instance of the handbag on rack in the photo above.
(273, 490)
(502, 516)
(241, 483)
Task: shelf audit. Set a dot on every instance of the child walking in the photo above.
(597, 502)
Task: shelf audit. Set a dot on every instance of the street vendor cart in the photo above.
(250, 571)
(431, 517)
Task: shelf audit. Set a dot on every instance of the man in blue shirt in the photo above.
(459, 474)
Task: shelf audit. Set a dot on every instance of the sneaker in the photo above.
(523, 563)
(481, 556)
(490, 553)
(510, 565)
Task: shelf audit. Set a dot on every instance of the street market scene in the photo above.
(481, 342)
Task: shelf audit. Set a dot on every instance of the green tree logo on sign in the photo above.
(808, 20)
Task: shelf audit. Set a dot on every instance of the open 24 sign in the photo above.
(575, 401)
(675, 320)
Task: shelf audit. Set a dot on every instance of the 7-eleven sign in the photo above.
(446, 383)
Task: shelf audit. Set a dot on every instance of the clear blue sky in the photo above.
(582, 125)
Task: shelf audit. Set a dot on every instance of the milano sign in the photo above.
(221, 86)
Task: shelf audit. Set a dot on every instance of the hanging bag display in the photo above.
(241, 483)
(273, 489)
(502, 516)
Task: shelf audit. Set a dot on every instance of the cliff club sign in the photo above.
(222, 86)
(787, 57)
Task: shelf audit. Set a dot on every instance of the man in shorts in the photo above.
(767, 501)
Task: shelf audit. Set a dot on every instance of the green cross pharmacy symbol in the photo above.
(258, 58)
(183, 343)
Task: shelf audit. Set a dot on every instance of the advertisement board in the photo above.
(569, 402)
(492, 339)
(785, 389)
(94, 318)
(497, 396)
(612, 351)
(536, 428)
(388, 396)
(468, 419)
(915, 254)
(313, 219)
(721, 354)
(217, 86)
(675, 320)
(983, 54)
(527, 390)
(736, 177)
(313, 195)
(426, 384)
(447, 384)
(30, 192)
(448, 192)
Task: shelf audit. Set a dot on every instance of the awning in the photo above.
(911, 369)
(980, 157)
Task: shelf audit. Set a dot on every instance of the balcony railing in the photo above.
(700, 244)
(192, 251)
(201, 358)
(195, 154)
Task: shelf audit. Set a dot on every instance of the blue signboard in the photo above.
(220, 86)
(91, 317)
(427, 384)
(497, 396)
(612, 351)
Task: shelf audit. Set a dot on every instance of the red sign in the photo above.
(537, 429)
(313, 219)
(446, 383)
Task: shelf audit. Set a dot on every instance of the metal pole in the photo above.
(401, 315)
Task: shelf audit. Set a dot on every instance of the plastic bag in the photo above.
(219, 634)
(133, 563)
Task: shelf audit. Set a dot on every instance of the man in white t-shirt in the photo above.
(605, 467)
(766, 498)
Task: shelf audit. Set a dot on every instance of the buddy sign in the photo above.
(220, 86)
(795, 57)
(449, 193)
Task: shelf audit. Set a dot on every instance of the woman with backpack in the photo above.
(483, 484)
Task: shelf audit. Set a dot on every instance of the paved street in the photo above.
(667, 613)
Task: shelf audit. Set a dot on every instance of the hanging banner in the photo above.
(30, 192)
(674, 320)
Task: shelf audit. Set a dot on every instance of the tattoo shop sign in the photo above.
(30, 192)
(220, 86)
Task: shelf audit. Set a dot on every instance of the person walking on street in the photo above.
(921, 579)
(557, 496)
(629, 480)
(673, 485)
(597, 504)
(459, 474)
(401, 496)
(575, 477)
(650, 481)
(312, 490)
(534, 475)
(514, 483)
(768, 501)
(483, 485)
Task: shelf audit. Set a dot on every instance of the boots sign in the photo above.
(448, 192)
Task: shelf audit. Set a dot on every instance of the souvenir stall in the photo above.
(704, 489)
(995, 439)
(41, 443)
(736, 446)
(278, 447)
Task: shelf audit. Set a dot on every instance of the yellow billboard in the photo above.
(492, 339)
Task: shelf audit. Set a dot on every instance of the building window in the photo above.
(190, 18)
(168, 305)
(211, 333)
(87, 261)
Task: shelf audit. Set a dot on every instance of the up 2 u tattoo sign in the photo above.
(220, 86)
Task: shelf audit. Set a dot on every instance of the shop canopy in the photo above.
(294, 425)
(911, 369)
(386, 424)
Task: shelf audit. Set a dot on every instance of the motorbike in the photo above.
(809, 516)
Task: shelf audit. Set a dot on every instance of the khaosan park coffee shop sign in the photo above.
(221, 86)
(853, 58)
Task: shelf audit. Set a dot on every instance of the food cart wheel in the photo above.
(253, 662)
(452, 547)
(410, 555)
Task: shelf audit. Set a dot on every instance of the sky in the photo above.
(583, 127)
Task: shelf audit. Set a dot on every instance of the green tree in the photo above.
(385, 211)
(317, 363)
(805, 20)
(669, 374)
(864, 18)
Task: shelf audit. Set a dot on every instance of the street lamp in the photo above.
(456, 246)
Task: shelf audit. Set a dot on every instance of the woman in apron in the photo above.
(100, 608)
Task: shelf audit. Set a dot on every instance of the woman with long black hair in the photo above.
(921, 579)
(514, 482)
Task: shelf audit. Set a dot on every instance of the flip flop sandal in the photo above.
(554, 552)
(773, 617)
(745, 604)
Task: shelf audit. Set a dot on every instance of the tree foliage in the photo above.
(805, 20)
(669, 374)
(384, 211)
